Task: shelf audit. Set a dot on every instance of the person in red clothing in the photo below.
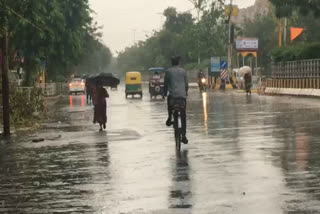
(248, 83)
(100, 106)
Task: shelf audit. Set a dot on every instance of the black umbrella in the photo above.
(85, 76)
(106, 79)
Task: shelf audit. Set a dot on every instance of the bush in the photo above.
(24, 106)
(195, 66)
(298, 52)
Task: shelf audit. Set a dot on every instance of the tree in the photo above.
(53, 31)
(180, 35)
(310, 23)
(199, 5)
(177, 22)
(96, 58)
(5, 67)
(284, 8)
(213, 36)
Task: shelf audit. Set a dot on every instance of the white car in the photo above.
(77, 85)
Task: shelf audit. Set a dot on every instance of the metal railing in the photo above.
(26, 91)
(296, 69)
(52, 89)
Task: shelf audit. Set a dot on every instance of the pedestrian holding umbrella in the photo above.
(105, 79)
(100, 105)
(246, 72)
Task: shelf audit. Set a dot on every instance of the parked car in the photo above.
(77, 85)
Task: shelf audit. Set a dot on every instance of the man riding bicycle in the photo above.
(176, 83)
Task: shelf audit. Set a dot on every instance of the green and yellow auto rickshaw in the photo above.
(133, 84)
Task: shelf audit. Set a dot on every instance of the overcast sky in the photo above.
(124, 21)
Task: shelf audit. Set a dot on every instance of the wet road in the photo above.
(246, 155)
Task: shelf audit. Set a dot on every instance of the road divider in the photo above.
(293, 91)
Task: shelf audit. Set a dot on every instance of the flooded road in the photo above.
(253, 154)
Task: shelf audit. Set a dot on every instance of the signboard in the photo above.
(235, 10)
(247, 44)
(223, 65)
(224, 74)
(215, 64)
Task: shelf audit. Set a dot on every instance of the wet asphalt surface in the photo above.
(255, 154)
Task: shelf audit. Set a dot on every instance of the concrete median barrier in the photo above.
(309, 92)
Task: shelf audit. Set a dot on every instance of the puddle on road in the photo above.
(84, 137)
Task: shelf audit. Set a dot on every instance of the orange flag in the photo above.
(295, 32)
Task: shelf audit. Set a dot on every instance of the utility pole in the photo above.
(230, 42)
(5, 68)
(285, 31)
(280, 33)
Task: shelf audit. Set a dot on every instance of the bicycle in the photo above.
(178, 106)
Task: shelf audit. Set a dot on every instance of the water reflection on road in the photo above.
(180, 194)
(247, 154)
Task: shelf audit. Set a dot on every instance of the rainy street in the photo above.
(256, 154)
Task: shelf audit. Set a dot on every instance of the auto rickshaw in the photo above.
(133, 84)
(156, 82)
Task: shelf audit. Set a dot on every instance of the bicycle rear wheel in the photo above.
(177, 131)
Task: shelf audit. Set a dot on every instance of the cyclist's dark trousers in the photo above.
(183, 113)
(183, 121)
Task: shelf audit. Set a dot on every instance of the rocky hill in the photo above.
(260, 7)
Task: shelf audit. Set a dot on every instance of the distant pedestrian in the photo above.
(100, 106)
(248, 83)
(89, 92)
(94, 101)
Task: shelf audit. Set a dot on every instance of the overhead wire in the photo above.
(25, 19)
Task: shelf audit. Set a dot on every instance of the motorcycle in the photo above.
(202, 85)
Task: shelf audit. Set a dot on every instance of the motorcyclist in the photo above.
(176, 83)
(200, 77)
(156, 76)
(201, 74)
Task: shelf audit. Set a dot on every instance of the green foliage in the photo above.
(284, 8)
(54, 31)
(298, 52)
(95, 59)
(195, 66)
(264, 27)
(310, 23)
(213, 36)
(23, 105)
(181, 35)
(177, 22)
